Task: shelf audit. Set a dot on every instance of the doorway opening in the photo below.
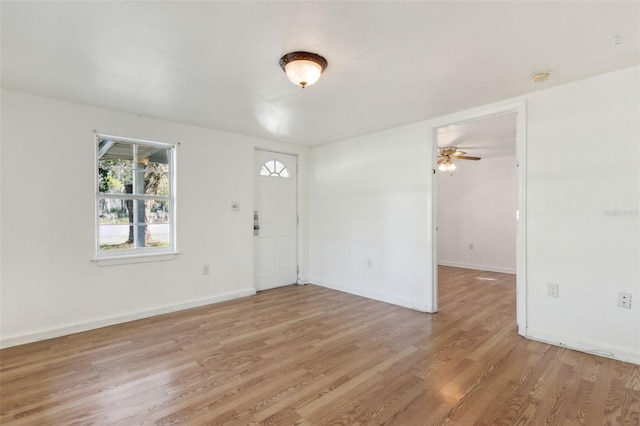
(476, 202)
(479, 204)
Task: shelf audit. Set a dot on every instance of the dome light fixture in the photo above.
(303, 68)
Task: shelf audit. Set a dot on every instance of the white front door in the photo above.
(275, 220)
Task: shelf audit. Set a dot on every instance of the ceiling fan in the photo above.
(447, 154)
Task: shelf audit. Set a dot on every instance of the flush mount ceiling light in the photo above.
(303, 68)
(539, 77)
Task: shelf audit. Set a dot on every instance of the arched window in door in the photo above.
(274, 168)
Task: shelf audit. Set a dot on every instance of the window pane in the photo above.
(152, 154)
(112, 211)
(274, 168)
(152, 235)
(115, 218)
(153, 178)
(115, 167)
(158, 235)
(113, 150)
(115, 237)
(156, 211)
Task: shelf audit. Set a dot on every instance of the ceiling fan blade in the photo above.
(465, 157)
(459, 153)
(441, 160)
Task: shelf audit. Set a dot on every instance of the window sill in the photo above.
(128, 259)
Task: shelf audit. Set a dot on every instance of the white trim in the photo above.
(433, 141)
(139, 197)
(275, 151)
(125, 259)
(478, 113)
(595, 348)
(6, 342)
(517, 105)
(136, 141)
(522, 319)
(405, 303)
(478, 267)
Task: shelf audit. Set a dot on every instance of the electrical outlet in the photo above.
(205, 269)
(369, 263)
(553, 289)
(624, 300)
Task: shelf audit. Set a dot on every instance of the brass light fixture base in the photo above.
(300, 74)
(303, 56)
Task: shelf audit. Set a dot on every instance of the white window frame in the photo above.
(137, 252)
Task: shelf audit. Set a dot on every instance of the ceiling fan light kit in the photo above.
(446, 154)
(303, 68)
(447, 166)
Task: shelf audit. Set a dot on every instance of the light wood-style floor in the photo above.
(312, 356)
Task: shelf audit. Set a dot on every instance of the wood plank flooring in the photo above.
(307, 355)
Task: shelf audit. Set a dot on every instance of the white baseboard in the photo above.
(6, 342)
(594, 348)
(405, 303)
(478, 267)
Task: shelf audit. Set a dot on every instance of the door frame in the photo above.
(297, 236)
(519, 107)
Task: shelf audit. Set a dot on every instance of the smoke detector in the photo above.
(539, 77)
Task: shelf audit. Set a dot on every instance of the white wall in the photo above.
(583, 159)
(49, 285)
(477, 205)
(370, 199)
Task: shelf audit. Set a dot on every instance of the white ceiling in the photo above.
(489, 137)
(215, 64)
